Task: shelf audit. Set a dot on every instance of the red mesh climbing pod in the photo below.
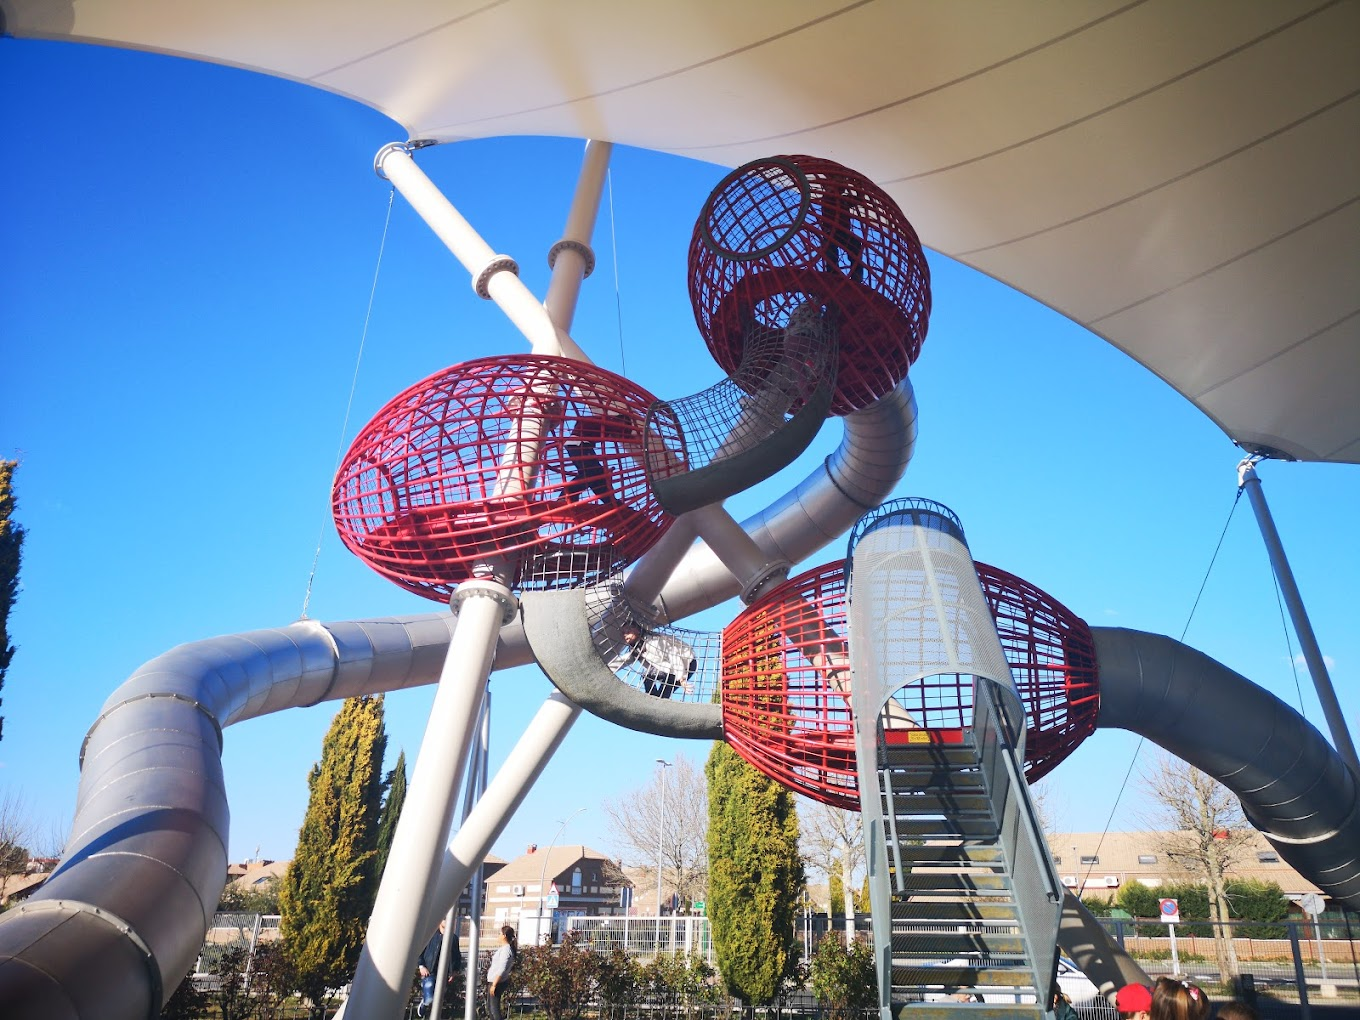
(529, 464)
(1053, 659)
(791, 233)
(786, 680)
(785, 665)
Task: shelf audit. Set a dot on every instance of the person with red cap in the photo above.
(1133, 1002)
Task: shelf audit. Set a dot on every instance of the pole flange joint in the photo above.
(481, 587)
(765, 578)
(386, 151)
(586, 252)
(498, 264)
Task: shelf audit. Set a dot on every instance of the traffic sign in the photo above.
(698, 906)
(1171, 911)
(553, 898)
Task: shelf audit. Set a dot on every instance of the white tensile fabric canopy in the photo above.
(1183, 179)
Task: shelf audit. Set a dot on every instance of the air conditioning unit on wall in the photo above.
(1111, 881)
(517, 890)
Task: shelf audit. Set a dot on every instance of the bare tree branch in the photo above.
(1203, 832)
(638, 827)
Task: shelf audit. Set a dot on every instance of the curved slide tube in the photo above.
(1293, 786)
(120, 921)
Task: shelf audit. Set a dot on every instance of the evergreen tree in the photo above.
(11, 547)
(755, 876)
(391, 811)
(328, 890)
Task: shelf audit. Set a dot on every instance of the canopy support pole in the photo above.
(1312, 654)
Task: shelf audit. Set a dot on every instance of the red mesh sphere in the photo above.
(1053, 659)
(785, 663)
(785, 682)
(531, 460)
(786, 232)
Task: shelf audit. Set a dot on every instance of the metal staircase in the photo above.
(964, 896)
(959, 945)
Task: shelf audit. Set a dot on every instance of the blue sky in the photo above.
(185, 267)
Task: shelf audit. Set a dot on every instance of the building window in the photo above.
(1147, 858)
(576, 882)
(1090, 859)
(1057, 858)
(1268, 857)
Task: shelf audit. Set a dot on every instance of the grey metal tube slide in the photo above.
(1293, 785)
(120, 921)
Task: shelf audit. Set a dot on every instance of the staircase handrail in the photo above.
(1037, 887)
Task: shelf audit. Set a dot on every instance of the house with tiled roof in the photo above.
(1098, 864)
(589, 884)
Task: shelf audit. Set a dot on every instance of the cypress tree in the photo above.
(328, 890)
(391, 811)
(755, 876)
(11, 546)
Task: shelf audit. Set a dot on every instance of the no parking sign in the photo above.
(1171, 911)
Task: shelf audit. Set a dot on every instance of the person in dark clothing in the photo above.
(429, 966)
(588, 474)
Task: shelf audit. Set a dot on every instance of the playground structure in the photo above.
(519, 489)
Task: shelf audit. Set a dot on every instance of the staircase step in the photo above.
(934, 944)
(951, 755)
(953, 853)
(953, 881)
(970, 826)
(907, 803)
(962, 976)
(917, 910)
(937, 779)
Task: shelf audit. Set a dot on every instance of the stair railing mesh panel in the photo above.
(663, 661)
(1034, 881)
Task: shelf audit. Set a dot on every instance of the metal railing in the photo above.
(647, 936)
(1035, 883)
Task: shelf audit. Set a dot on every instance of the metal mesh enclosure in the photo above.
(528, 465)
(657, 662)
(785, 682)
(786, 685)
(1053, 659)
(785, 232)
(917, 613)
(752, 424)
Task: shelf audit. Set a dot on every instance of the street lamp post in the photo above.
(543, 874)
(660, 832)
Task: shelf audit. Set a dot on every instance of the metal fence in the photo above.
(1306, 966)
(647, 936)
(230, 931)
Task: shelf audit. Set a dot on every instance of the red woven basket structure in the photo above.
(786, 232)
(785, 713)
(1053, 659)
(530, 461)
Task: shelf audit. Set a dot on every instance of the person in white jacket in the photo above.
(667, 662)
(497, 975)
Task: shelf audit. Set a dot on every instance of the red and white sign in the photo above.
(1171, 911)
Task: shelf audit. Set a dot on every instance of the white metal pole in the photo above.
(502, 798)
(1175, 959)
(493, 276)
(475, 901)
(572, 258)
(660, 832)
(1312, 654)
(382, 975)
